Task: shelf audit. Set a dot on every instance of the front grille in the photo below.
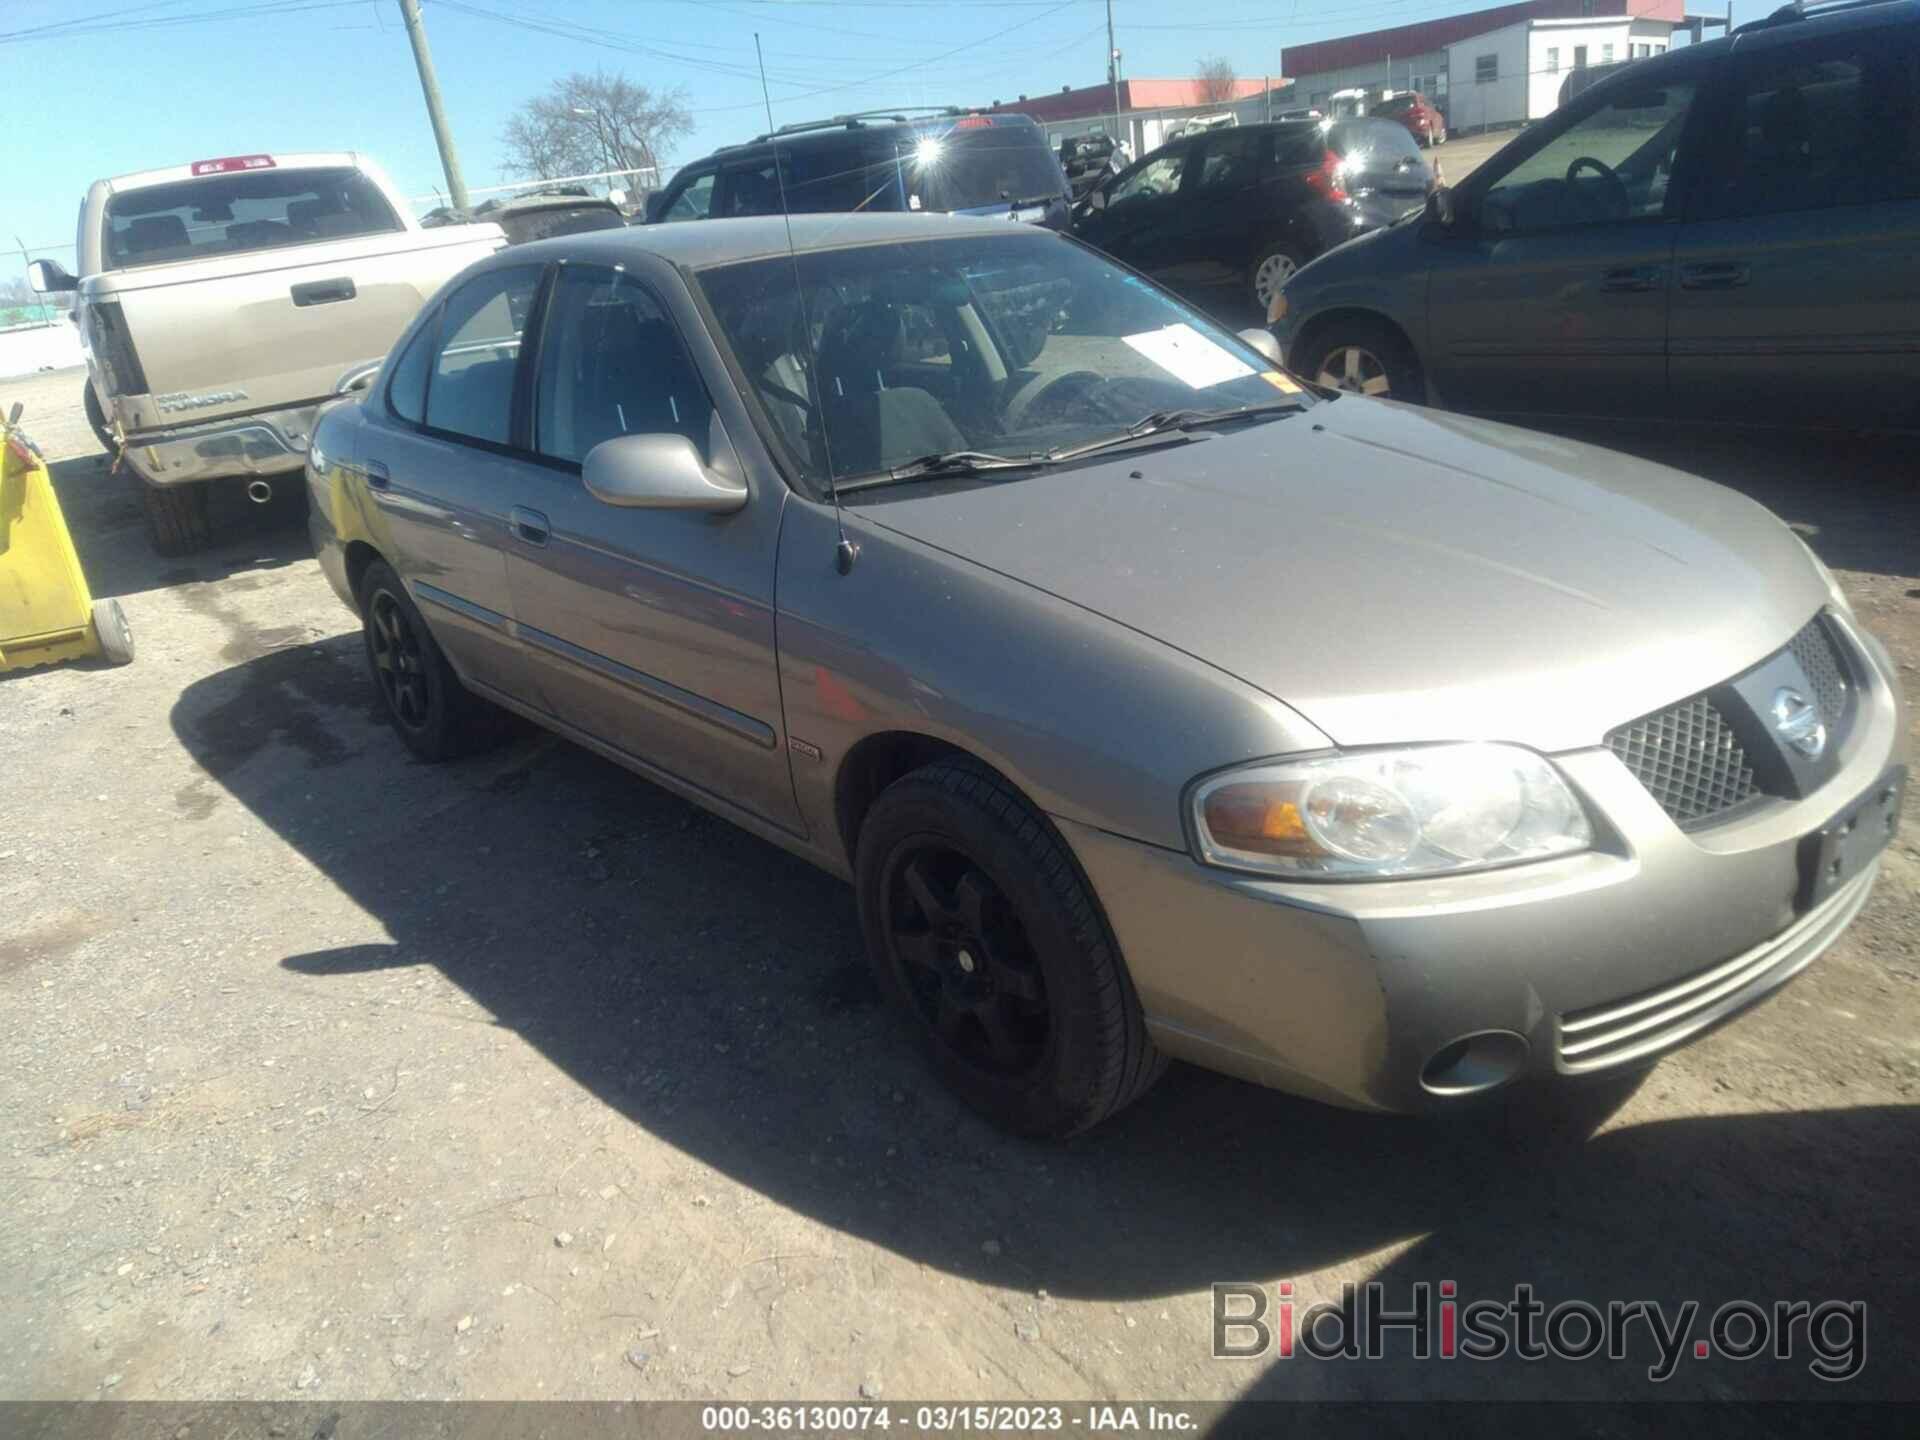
(1688, 759)
(1814, 648)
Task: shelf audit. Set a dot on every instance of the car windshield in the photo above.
(969, 166)
(245, 210)
(1012, 345)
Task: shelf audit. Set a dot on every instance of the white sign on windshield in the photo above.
(1187, 355)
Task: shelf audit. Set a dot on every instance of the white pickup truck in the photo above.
(221, 302)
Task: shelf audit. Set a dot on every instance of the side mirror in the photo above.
(47, 278)
(658, 472)
(1440, 207)
(1263, 341)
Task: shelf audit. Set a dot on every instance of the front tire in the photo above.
(176, 516)
(97, 418)
(435, 716)
(1362, 357)
(982, 930)
(1276, 266)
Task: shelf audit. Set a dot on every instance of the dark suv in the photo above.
(1727, 232)
(1226, 216)
(966, 162)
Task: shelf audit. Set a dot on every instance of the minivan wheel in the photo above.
(981, 929)
(1363, 357)
(1272, 270)
(431, 711)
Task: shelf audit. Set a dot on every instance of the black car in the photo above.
(1226, 216)
(965, 162)
(1726, 232)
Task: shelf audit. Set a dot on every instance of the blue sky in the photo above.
(158, 82)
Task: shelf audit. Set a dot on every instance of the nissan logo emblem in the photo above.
(1797, 723)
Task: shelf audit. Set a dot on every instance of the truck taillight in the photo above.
(1325, 182)
(113, 347)
(227, 164)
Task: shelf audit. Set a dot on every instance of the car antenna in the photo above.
(844, 551)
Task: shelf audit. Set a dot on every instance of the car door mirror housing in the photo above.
(1263, 341)
(658, 472)
(1442, 209)
(47, 278)
(655, 206)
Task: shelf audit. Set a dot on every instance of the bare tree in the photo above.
(1216, 79)
(594, 122)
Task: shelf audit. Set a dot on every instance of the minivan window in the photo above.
(471, 392)
(1612, 164)
(972, 166)
(1229, 160)
(848, 174)
(1818, 126)
(245, 210)
(612, 364)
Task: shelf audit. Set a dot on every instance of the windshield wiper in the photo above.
(946, 462)
(1160, 422)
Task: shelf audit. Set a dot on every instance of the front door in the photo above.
(1551, 297)
(441, 475)
(651, 630)
(1214, 230)
(1137, 223)
(1798, 272)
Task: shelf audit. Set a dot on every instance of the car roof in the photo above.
(696, 244)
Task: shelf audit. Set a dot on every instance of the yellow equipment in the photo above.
(46, 614)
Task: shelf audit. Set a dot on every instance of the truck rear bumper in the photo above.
(269, 443)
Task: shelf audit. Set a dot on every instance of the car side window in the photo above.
(1820, 125)
(471, 390)
(407, 392)
(694, 202)
(613, 364)
(1229, 160)
(1158, 176)
(1614, 163)
(751, 189)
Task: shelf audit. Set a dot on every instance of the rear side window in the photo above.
(1815, 126)
(246, 210)
(1299, 147)
(471, 392)
(613, 364)
(1229, 160)
(407, 393)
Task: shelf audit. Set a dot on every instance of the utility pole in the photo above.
(430, 87)
(1113, 77)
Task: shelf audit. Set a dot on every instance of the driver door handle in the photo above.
(530, 525)
(1632, 278)
(1715, 275)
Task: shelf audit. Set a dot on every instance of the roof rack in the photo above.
(1799, 10)
(858, 119)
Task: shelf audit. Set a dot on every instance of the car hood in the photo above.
(1398, 575)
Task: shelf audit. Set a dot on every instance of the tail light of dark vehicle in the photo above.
(1325, 182)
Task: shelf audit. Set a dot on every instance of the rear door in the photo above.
(1798, 272)
(1216, 225)
(1551, 297)
(444, 477)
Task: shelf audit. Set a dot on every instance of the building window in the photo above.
(1553, 60)
(1606, 54)
(1579, 57)
(1486, 69)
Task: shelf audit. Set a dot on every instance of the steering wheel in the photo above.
(1061, 392)
(1617, 198)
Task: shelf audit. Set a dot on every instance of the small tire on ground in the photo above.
(1097, 1057)
(115, 635)
(441, 719)
(176, 516)
(97, 418)
(1373, 338)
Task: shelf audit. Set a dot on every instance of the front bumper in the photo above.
(269, 443)
(1604, 960)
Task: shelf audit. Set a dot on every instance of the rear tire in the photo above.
(111, 629)
(97, 418)
(1364, 357)
(435, 716)
(1275, 266)
(982, 930)
(176, 516)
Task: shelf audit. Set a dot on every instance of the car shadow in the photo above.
(709, 988)
(102, 511)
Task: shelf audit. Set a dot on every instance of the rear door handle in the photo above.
(1715, 275)
(378, 477)
(530, 525)
(324, 292)
(1631, 277)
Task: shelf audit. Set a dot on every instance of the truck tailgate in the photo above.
(239, 333)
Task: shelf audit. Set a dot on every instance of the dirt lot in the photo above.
(325, 1073)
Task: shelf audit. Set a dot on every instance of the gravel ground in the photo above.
(330, 1074)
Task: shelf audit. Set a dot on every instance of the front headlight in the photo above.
(1377, 814)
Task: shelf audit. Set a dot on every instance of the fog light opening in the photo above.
(1475, 1063)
